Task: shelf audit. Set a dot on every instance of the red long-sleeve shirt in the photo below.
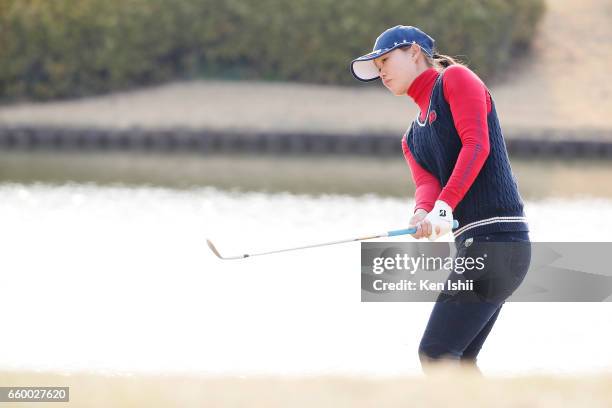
(469, 103)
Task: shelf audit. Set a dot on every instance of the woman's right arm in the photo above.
(427, 185)
(427, 191)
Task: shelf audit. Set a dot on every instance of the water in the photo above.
(390, 176)
(119, 279)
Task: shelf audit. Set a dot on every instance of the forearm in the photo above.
(427, 186)
(469, 163)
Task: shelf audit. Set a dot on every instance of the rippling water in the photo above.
(120, 279)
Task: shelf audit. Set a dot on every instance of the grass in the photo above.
(447, 387)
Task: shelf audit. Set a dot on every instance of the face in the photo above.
(398, 69)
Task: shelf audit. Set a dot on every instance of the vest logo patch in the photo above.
(432, 116)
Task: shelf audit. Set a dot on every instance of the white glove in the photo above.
(441, 218)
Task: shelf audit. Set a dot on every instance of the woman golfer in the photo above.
(459, 163)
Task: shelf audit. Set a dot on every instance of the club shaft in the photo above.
(384, 234)
(392, 233)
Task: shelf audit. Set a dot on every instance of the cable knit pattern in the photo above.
(493, 202)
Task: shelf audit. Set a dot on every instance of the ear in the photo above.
(413, 50)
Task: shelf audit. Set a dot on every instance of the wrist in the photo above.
(442, 204)
(441, 209)
(420, 211)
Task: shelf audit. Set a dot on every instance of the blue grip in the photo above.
(402, 232)
(412, 230)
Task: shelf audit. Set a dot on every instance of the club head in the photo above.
(213, 249)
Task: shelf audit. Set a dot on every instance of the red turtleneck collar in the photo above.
(420, 89)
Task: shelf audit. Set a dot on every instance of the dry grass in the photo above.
(563, 85)
(446, 388)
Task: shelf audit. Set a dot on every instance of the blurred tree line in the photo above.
(69, 48)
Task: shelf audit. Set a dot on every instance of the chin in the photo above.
(394, 91)
(397, 93)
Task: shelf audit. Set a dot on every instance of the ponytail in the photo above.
(441, 61)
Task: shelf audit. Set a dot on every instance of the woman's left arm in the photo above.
(470, 103)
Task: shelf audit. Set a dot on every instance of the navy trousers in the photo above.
(461, 321)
